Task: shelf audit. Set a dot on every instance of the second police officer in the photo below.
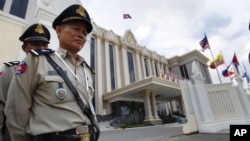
(36, 36)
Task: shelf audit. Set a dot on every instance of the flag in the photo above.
(204, 43)
(236, 63)
(166, 76)
(235, 60)
(245, 74)
(162, 74)
(233, 70)
(21, 68)
(227, 72)
(126, 16)
(216, 62)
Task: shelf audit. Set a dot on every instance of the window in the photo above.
(146, 66)
(92, 63)
(164, 69)
(112, 67)
(184, 72)
(2, 2)
(19, 7)
(156, 70)
(92, 53)
(131, 67)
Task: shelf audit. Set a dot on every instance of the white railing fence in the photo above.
(212, 108)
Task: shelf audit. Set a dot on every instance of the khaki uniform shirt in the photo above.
(6, 74)
(33, 108)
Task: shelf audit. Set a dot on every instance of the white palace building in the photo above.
(125, 71)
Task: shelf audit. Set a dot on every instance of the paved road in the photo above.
(170, 132)
(201, 137)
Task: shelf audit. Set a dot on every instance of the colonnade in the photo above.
(151, 114)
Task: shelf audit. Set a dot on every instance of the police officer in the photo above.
(44, 107)
(34, 37)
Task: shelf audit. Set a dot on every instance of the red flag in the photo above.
(235, 60)
(126, 16)
(236, 63)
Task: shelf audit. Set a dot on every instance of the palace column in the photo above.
(151, 114)
(107, 66)
(150, 69)
(138, 65)
(157, 120)
(147, 106)
(125, 65)
(143, 73)
(98, 78)
(117, 66)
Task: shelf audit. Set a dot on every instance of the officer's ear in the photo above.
(24, 46)
(58, 29)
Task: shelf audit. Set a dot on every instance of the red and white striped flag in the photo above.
(204, 43)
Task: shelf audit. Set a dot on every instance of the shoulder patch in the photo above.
(38, 52)
(87, 65)
(21, 68)
(12, 63)
(1, 73)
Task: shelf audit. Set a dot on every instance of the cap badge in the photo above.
(39, 29)
(80, 11)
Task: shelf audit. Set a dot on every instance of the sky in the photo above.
(175, 27)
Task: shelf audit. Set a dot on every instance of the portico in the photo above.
(149, 90)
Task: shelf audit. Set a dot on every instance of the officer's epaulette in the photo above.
(87, 65)
(38, 52)
(12, 63)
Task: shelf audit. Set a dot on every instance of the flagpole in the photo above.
(215, 65)
(205, 45)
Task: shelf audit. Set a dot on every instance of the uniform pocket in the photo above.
(47, 91)
(53, 78)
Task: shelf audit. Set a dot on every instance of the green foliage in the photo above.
(123, 126)
(170, 118)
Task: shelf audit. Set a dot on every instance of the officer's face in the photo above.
(72, 36)
(34, 45)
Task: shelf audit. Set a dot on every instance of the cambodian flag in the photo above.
(21, 68)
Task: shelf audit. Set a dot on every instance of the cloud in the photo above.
(174, 27)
